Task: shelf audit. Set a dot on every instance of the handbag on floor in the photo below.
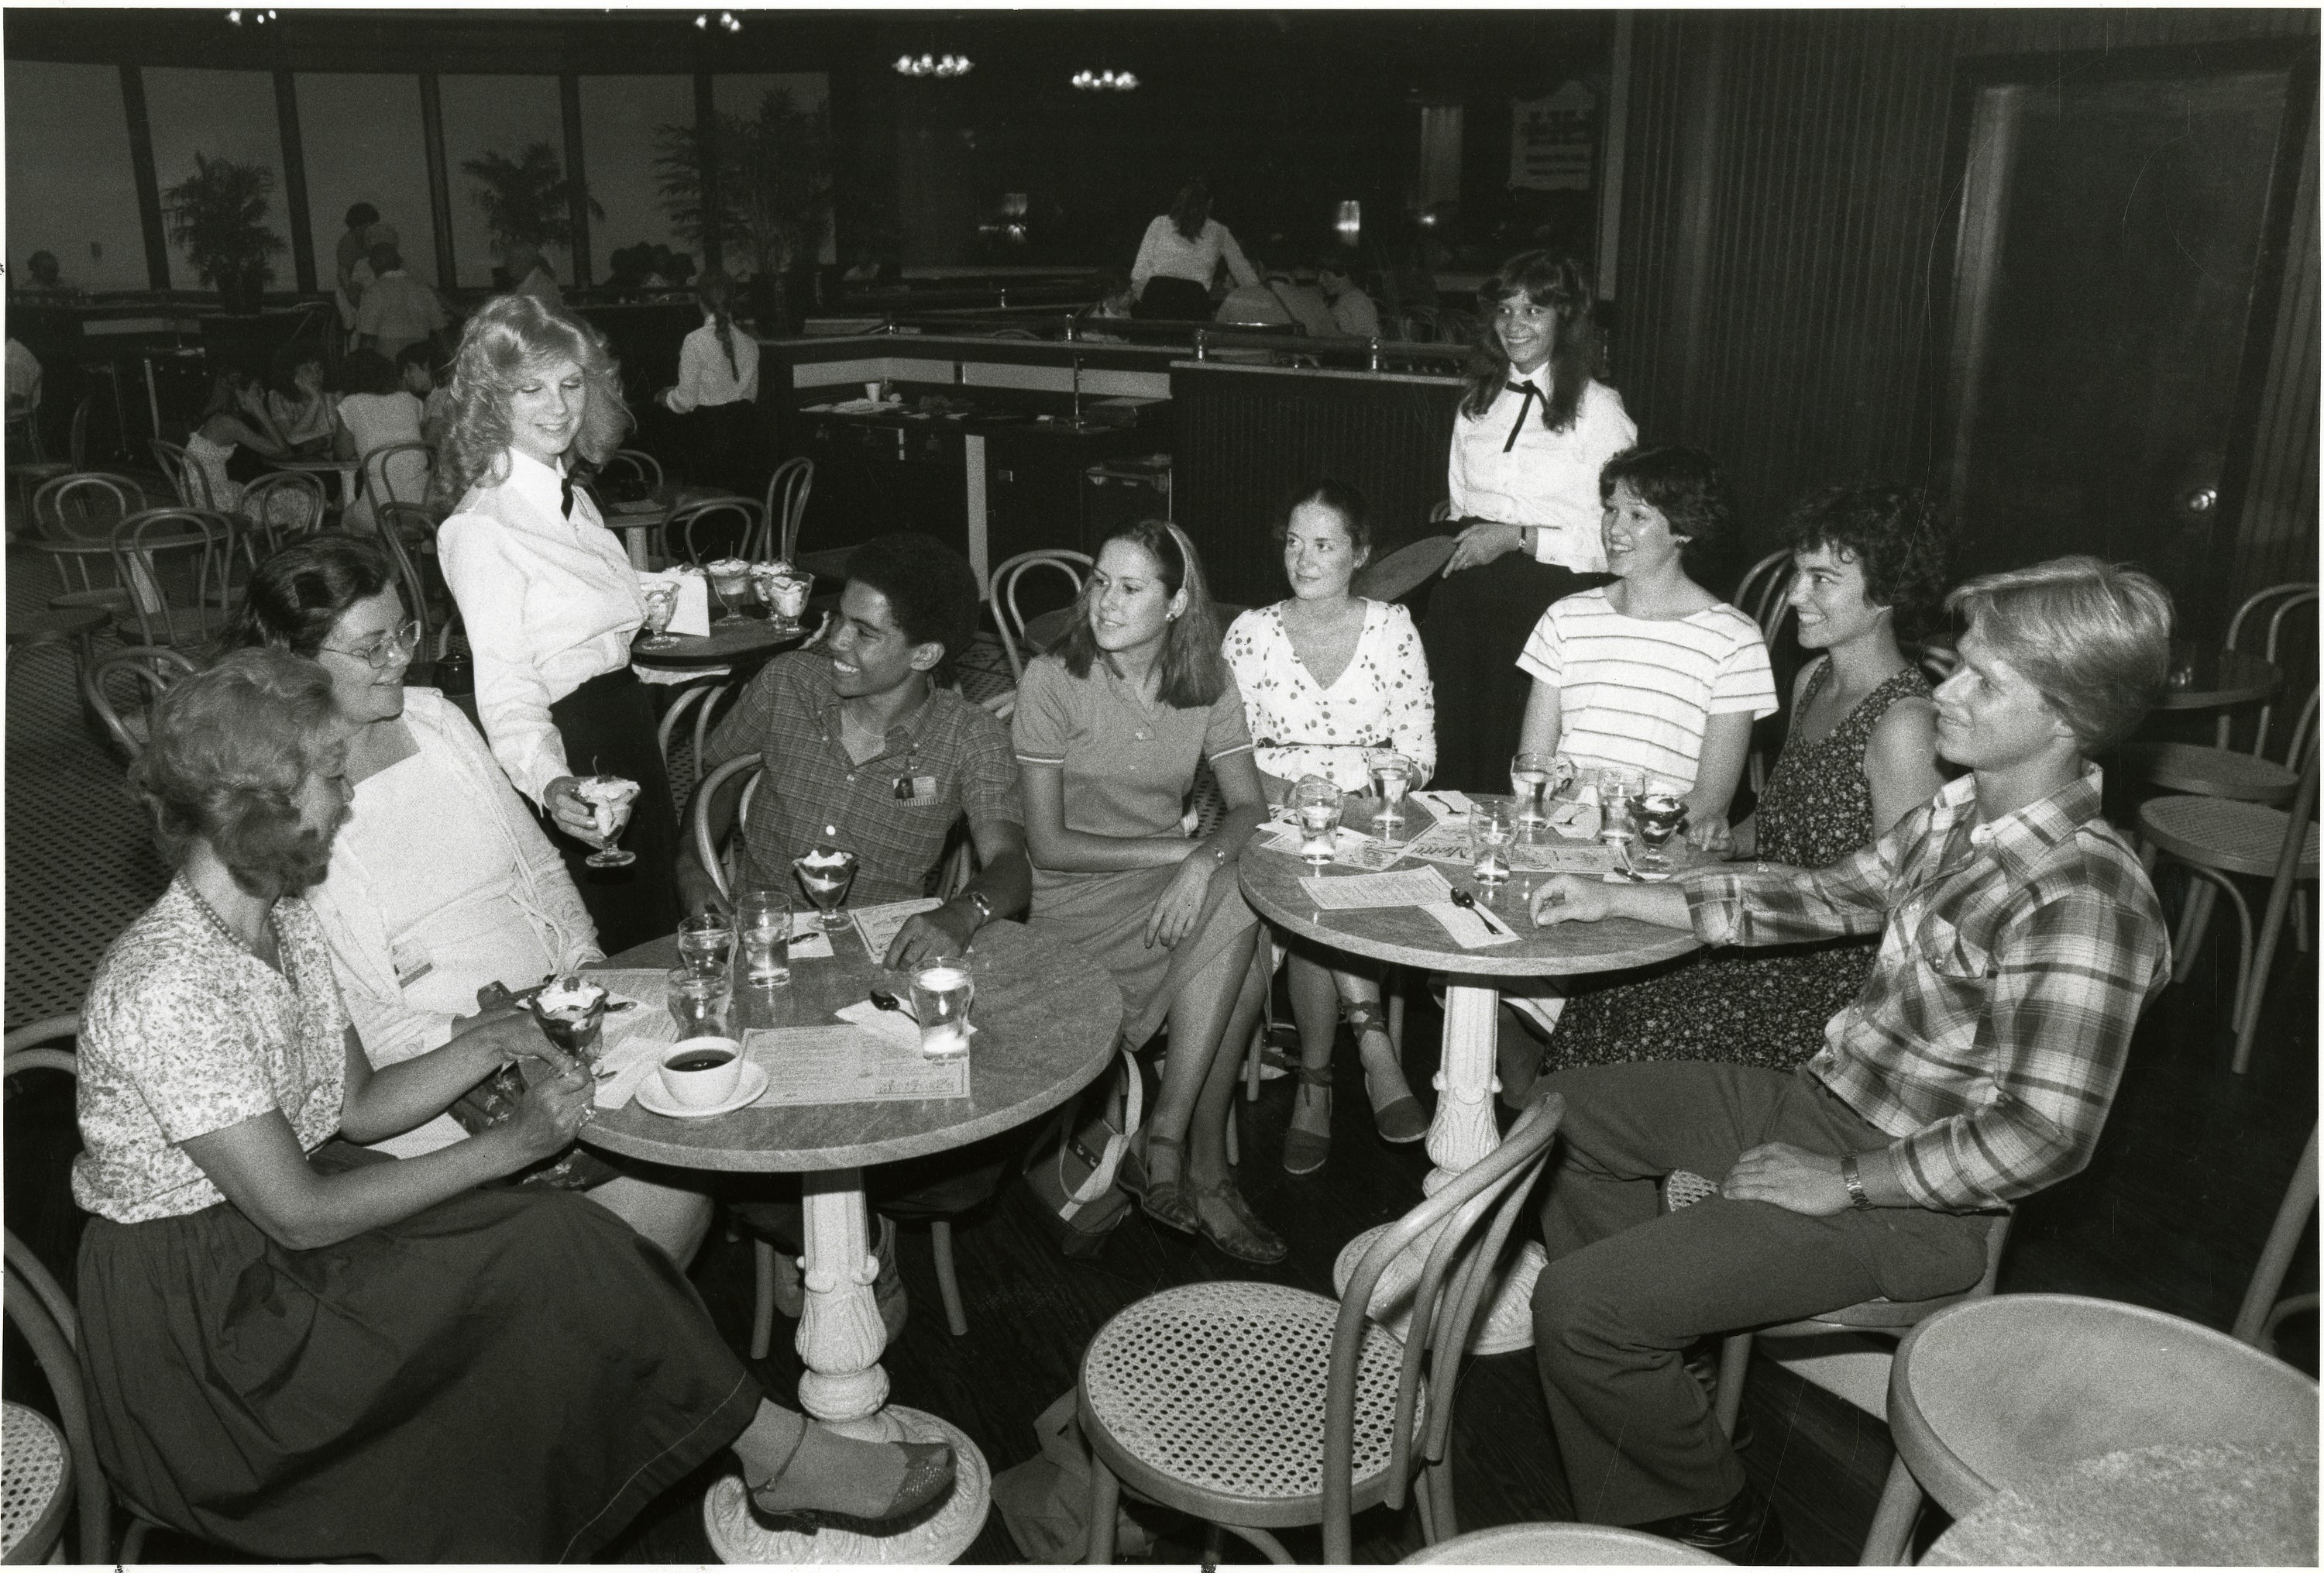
(1075, 1176)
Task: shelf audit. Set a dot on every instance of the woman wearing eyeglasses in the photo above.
(1534, 427)
(443, 881)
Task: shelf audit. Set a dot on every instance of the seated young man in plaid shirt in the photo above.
(857, 736)
(2019, 941)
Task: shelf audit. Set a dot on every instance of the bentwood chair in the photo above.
(2220, 770)
(192, 483)
(1560, 1545)
(702, 700)
(1842, 1352)
(2215, 838)
(160, 546)
(712, 528)
(1258, 1407)
(148, 670)
(634, 466)
(788, 490)
(40, 470)
(2262, 1311)
(280, 506)
(401, 526)
(1022, 638)
(1761, 594)
(73, 517)
(1993, 1393)
(398, 472)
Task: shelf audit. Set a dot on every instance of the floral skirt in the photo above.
(1765, 1007)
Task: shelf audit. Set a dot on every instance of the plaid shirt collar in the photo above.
(2019, 841)
(902, 737)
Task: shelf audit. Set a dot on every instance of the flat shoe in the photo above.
(1249, 1240)
(928, 1470)
(1402, 1122)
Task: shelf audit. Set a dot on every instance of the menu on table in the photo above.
(1404, 887)
(834, 1064)
(880, 925)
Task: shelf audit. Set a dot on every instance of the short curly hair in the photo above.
(1896, 533)
(1683, 484)
(298, 595)
(510, 337)
(232, 747)
(929, 586)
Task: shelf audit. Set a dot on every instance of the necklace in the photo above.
(225, 929)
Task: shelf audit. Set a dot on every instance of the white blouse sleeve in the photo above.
(1237, 263)
(1410, 695)
(1148, 252)
(1456, 473)
(488, 582)
(687, 395)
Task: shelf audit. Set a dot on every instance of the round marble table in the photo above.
(1464, 1130)
(2204, 676)
(2179, 1504)
(1046, 1017)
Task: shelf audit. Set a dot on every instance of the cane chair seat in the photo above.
(35, 1483)
(1561, 1545)
(2206, 772)
(1216, 1391)
(2235, 837)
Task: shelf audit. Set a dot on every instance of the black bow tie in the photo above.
(565, 493)
(1524, 410)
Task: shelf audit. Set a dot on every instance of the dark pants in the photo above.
(1169, 300)
(1629, 1287)
(1477, 626)
(607, 725)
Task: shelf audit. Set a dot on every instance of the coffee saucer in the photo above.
(654, 1098)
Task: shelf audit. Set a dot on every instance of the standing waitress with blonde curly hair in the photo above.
(549, 598)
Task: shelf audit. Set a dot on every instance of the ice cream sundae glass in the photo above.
(609, 798)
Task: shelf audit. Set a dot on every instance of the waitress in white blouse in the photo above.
(549, 598)
(717, 391)
(1532, 431)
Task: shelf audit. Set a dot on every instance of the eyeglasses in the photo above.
(393, 648)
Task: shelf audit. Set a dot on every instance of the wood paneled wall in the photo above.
(1783, 199)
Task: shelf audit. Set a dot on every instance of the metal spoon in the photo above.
(888, 1002)
(1461, 898)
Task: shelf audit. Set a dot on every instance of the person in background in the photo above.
(226, 427)
(308, 1352)
(549, 598)
(1181, 255)
(23, 380)
(1298, 292)
(397, 310)
(1860, 753)
(442, 882)
(528, 274)
(2019, 941)
(1533, 428)
(1326, 677)
(1109, 729)
(47, 278)
(717, 390)
(378, 410)
(426, 379)
(1114, 301)
(354, 248)
(301, 412)
(1353, 315)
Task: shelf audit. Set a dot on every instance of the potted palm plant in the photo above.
(217, 214)
(773, 185)
(526, 201)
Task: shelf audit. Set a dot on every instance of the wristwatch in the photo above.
(1855, 1184)
(983, 906)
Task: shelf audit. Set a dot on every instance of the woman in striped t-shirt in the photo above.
(1653, 673)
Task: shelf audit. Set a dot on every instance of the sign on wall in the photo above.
(1550, 139)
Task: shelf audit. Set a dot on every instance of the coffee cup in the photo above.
(701, 1073)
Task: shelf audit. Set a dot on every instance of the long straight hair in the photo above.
(716, 295)
(1546, 280)
(1194, 673)
(1191, 208)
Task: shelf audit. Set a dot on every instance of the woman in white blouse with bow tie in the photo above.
(1532, 431)
(549, 598)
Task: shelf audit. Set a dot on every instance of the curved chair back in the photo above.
(278, 506)
(190, 480)
(634, 461)
(84, 508)
(715, 526)
(1453, 1285)
(150, 547)
(787, 493)
(2278, 601)
(2256, 1321)
(151, 669)
(398, 472)
(1761, 595)
(1987, 1392)
(1404, 571)
(707, 837)
(398, 524)
(1015, 643)
(78, 449)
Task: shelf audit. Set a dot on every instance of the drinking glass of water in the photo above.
(1618, 802)
(1391, 774)
(697, 1003)
(1530, 775)
(942, 992)
(705, 943)
(1491, 834)
(762, 928)
(1315, 807)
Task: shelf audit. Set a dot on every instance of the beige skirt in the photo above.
(1106, 914)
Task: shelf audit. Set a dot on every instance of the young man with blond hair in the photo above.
(2020, 940)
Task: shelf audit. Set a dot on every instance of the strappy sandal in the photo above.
(928, 1470)
(1164, 1200)
(1305, 1151)
(1400, 1121)
(1247, 1239)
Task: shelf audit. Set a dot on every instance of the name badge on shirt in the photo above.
(914, 788)
(412, 960)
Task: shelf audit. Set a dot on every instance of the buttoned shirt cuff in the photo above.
(1714, 906)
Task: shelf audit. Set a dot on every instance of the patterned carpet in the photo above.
(79, 861)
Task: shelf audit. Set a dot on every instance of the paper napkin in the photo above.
(1467, 928)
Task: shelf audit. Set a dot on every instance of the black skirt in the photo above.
(509, 1376)
(1169, 300)
(1477, 626)
(608, 727)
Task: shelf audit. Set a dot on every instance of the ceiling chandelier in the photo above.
(1105, 81)
(727, 21)
(934, 65)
